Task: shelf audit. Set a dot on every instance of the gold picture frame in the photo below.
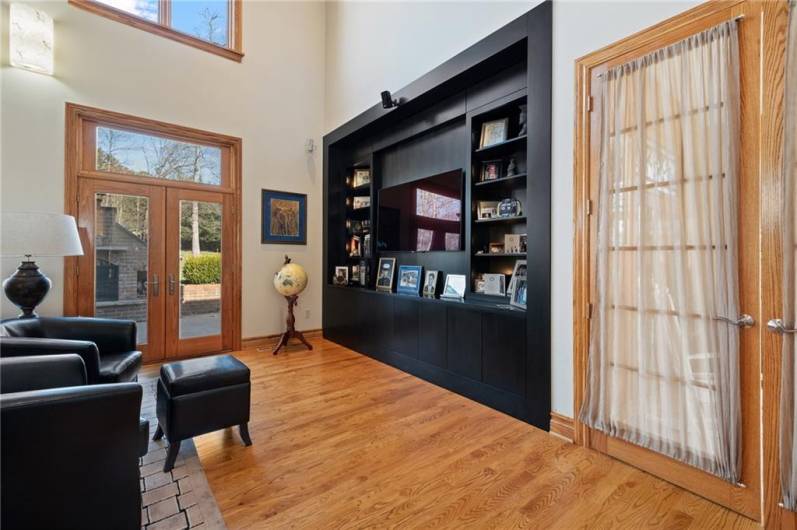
(494, 132)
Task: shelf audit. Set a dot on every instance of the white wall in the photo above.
(376, 46)
(274, 100)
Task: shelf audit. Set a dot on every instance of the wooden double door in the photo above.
(161, 256)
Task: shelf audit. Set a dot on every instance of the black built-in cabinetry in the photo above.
(481, 348)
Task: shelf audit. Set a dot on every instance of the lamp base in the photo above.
(26, 288)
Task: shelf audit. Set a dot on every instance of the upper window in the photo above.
(211, 25)
(120, 151)
(119, 147)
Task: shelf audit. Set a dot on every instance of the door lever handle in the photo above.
(156, 285)
(172, 284)
(776, 325)
(744, 321)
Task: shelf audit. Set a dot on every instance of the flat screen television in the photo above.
(423, 215)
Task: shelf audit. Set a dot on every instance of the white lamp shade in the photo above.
(31, 39)
(38, 234)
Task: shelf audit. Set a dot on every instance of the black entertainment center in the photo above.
(391, 191)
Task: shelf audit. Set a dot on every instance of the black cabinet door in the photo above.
(504, 351)
(432, 334)
(464, 351)
(340, 324)
(405, 326)
(376, 315)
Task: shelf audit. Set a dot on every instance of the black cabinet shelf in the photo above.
(500, 255)
(359, 213)
(516, 219)
(503, 147)
(513, 180)
(495, 303)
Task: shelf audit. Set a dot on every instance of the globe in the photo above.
(291, 279)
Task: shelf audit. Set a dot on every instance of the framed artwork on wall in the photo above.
(283, 217)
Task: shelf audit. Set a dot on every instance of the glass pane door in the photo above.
(120, 274)
(198, 248)
(200, 269)
(121, 258)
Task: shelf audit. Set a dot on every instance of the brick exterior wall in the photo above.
(200, 299)
(125, 310)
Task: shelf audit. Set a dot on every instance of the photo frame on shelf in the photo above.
(454, 288)
(355, 249)
(519, 271)
(512, 243)
(355, 274)
(430, 284)
(494, 132)
(492, 170)
(487, 209)
(283, 217)
(409, 279)
(494, 284)
(518, 298)
(361, 177)
(385, 273)
(360, 202)
(341, 276)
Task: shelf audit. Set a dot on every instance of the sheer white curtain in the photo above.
(663, 370)
(788, 452)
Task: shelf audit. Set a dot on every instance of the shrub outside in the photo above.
(205, 268)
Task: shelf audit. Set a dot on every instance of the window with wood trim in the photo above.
(210, 25)
(130, 149)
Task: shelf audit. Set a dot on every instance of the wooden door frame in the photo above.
(772, 197)
(76, 168)
(769, 17)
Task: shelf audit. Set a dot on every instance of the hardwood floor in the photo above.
(343, 441)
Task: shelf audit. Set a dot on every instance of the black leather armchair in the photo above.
(107, 347)
(69, 453)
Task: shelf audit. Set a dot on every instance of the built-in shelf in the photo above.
(500, 146)
(498, 299)
(513, 179)
(359, 211)
(472, 299)
(361, 187)
(500, 255)
(515, 219)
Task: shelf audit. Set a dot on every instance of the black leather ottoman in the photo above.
(197, 396)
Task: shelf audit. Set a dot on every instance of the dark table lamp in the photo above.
(31, 234)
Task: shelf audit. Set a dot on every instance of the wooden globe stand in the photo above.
(291, 332)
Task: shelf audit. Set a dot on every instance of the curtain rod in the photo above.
(735, 19)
